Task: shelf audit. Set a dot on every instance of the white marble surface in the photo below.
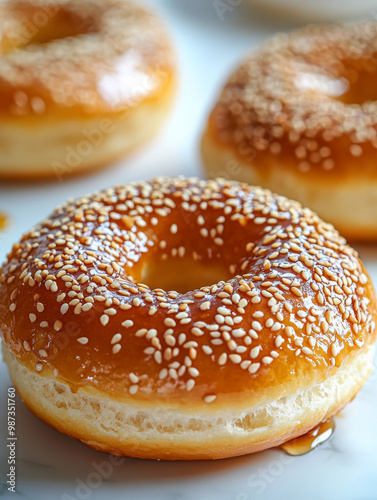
(52, 466)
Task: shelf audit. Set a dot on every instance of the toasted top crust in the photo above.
(299, 303)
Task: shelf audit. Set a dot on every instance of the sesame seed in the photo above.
(193, 371)
(222, 358)
(289, 331)
(197, 332)
(116, 338)
(64, 308)
(116, 348)
(267, 360)
(242, 303)
(223, 311)
(207, 349)
(254, 352)
(235, 358)
(104, 319)
(158, 357)
(254, 367)
(205, 305)
(256, 326)
(279, 341)
(58, 325)
(169, 322)
(210, 398)
(190, 384)
(260, 220)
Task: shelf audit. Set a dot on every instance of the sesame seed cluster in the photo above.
(72, 304)
(306, 98)
(108, 40)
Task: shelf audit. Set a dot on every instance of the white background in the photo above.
(52, 466)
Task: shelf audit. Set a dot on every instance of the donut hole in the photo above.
(182, 274)
(32, 25)
(361, 76)
(350, 81)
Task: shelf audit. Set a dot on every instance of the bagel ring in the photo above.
(299, 117)
(270, 331)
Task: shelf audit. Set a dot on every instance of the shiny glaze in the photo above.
(298, 303)
(309, 441)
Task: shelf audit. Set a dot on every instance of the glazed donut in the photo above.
(269, 328)
(81, 84)
(320, 10)
(299, 117)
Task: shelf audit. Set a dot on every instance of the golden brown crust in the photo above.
(298, 303)
(304, 103)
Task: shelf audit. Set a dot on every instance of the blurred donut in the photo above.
(81, 84)
(299, 117)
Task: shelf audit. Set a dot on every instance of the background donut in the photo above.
(82, 84)
(299, 117)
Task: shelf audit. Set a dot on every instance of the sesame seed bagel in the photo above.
(299, 117)
(81, 84)
(185, 319)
